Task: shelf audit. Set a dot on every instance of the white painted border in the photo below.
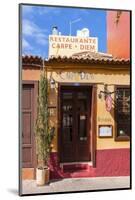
(9, 100)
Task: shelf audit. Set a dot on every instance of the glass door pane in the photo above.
(67, 118)
(82, 115)
(82, 127)
(67, 127)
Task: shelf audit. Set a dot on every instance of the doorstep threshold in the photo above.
(75, 163)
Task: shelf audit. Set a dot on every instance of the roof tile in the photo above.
(84, 57)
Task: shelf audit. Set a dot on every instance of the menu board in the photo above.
(105, 131)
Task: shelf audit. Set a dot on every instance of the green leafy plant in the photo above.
(44, 133)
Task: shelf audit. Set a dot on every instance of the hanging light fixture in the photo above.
(52, 83)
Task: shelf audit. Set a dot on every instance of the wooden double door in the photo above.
(75, 123)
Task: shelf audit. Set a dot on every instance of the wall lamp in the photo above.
(106, 93)
(52, 83)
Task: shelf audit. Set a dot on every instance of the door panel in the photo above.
(75, 127)
(26, 97)
(26, 118)
(27, 155)
(27, 125)
(83, 101)
(67, 126)
(82, 127)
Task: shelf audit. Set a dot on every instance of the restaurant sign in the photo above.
(74, 76)
(68, 45)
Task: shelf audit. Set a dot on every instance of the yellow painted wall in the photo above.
(53, 115)
(98, 76)
(107, 118)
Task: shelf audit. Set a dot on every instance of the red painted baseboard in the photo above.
(110, 162)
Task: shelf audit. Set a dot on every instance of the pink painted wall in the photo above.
(118, 36)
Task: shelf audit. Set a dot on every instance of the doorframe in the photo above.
(35, 95)
(93, 119)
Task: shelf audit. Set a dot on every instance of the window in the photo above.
(122, 109)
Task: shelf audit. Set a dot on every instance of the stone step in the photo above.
(76, 167)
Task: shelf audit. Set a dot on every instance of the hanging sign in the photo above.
(108, 103)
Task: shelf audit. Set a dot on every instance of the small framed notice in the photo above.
(105, 131)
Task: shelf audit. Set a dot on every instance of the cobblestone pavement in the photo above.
(76, 184)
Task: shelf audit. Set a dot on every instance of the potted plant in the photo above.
(44, 134)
